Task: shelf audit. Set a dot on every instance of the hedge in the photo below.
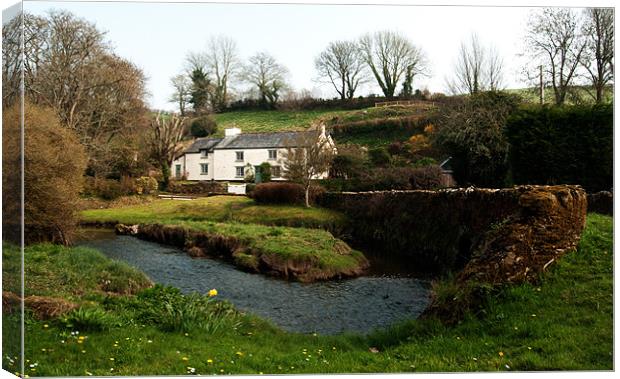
(562, 145)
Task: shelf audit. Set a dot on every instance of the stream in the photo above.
(352, 305)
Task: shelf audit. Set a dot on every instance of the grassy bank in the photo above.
(565, 322)
(219, 209)
(238, 228)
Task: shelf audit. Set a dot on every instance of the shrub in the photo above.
(562, 145)
(346, 166)
(379, 156)
(278, 193)
(203, 126)
(146, 185)
(265, 172)
(107, 189)
(471, 131)
(88, 319)
(53, 176)
(201, 187)
(284, 193)
(390, 178)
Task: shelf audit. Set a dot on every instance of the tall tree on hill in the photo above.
(342, 64)
(200, 92)
(389, 55)
(223, 63)
(182, 92)
(554, 40)
(598, 58)
(267, 75)
(477, 69)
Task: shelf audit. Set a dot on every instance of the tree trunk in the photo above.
(308, 196)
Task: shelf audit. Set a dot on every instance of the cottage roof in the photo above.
(260, 140)
(246, 141)
(202, 144)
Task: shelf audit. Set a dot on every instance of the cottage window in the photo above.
(204, 168)
(239, 173)
(203, 153)
(273, 154)
(177, 171)
(275, 171)
(239, 156)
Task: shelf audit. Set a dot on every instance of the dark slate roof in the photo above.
(246, 141)
(260, 140)
(202, 144)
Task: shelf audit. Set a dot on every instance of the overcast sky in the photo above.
(158, 36)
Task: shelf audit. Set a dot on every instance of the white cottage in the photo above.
(230, 158)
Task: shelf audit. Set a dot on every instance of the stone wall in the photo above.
(490, 235)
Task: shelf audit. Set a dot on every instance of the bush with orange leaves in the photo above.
(54, 164)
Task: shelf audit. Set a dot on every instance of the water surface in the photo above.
(357, 305)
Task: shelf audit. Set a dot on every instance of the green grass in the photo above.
(565, 322)
(277, 121)
(241, 218)
(270, 121)
(219, 209)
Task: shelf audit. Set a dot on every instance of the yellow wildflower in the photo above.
(45, 326)
(81, 337)
(212, 292)
(185, 359)
(501, 353)
(239, 353)
(210, 361)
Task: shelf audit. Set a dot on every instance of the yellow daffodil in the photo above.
(501, 353)
(212, 292)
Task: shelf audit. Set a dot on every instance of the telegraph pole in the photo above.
(542, 86)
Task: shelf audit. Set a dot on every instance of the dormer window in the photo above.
(203, 153)
(239, 155)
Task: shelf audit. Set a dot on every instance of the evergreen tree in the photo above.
(200, 90)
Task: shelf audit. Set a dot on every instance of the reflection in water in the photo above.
(357, 305)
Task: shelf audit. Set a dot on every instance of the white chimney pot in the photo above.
(229, 132)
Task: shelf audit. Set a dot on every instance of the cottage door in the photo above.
(257, 175)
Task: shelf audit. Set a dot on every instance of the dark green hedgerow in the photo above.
(562, 145)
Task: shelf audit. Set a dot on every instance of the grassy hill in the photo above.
(280, 120)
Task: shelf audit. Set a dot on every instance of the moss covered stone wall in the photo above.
(449, 230)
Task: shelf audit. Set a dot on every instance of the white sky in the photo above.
(158, 36)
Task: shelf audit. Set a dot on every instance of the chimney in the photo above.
(230, 132)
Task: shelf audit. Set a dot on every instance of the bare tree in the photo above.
(554, 41)
(598, 58)
(389, 55)
(222, 63)
(343, 65)
(477, 69)
(309, 159)
(182, 91)
(267, 75)
(69, 67)
(166, 133)
(494, 70)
